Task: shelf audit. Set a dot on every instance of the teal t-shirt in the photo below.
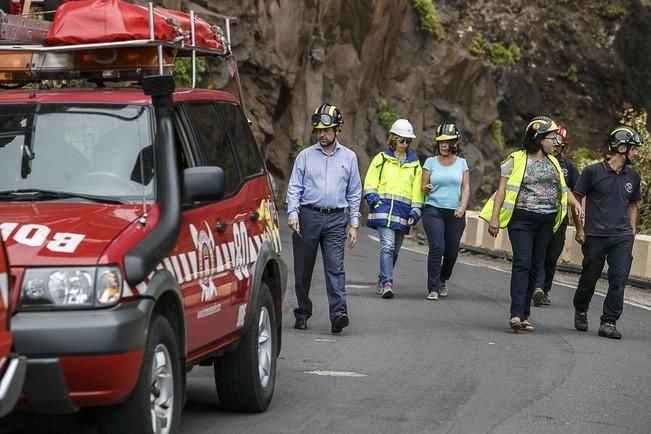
(446, 181)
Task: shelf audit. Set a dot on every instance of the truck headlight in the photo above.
(71, 288)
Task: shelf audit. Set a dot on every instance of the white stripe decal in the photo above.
(220, 260)
(180, 277)
(192, 257)
(126, 290)
(4, 288)
(169, 267)
(187, 273)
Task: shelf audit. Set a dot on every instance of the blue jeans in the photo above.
(529, 233)
(444, 232)
(596, 250)
(390, 243)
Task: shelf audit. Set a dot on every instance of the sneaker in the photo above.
(380, 288)
(581, 321)
(515, 323)
(537, 297)
(387, 291)
(433, 295)
(546, 301)
(608, 330)
(443, 288)
(526, 325)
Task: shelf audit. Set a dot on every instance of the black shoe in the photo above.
(339, 323)
(537, 297)
(581, 321)
(300, 324)
(608, 330)
(546, 300)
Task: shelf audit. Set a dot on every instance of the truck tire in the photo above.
(246, 377)
(155, 404)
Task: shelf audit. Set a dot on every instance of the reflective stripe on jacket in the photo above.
(513, 189)
(393, 191)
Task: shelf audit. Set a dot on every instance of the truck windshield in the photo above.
(97, 151)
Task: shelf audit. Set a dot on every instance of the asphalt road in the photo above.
(409, 365)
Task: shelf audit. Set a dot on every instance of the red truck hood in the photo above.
(61, 233)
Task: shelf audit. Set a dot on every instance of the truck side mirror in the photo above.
(203, 183)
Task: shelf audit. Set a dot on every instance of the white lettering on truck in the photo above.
(34, 235)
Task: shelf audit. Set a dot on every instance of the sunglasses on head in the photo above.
(322, 118)
(404, 140)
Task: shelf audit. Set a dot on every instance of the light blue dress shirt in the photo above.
(326, 181)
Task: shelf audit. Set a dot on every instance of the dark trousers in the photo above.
(596, 250)
(329, 232)
(444, 232)
(554, 251)
(529, 233)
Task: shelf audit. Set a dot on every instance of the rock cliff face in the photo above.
(360, 54)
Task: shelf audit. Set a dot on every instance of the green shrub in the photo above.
(386, 116)
(613, 12)
(571, 74)
(183, 71)
(477, 47)
(500, 55)
(638, 120)
(429, 18)
(553, 23)
(297, 146)
(583, 157)
(498, 134)
(602, 37)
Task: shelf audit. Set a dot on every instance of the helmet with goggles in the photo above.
(624, 135)
(539, 126)
(562, 136)
(326, 116)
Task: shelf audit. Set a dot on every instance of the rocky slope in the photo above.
(576, 63)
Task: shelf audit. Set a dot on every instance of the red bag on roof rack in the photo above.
(97, 21)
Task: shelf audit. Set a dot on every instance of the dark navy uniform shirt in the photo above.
(571, 175)
(608, 195)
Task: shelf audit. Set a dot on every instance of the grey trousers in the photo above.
(329, 232)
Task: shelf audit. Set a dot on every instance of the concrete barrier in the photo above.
(476, 235)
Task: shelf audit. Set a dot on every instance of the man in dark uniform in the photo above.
(325, 181)
(556, 244)
(613, 197)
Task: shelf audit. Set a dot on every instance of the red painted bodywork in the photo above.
(112, 230)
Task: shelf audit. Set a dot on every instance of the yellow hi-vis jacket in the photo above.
(393, 192)
(513, 189)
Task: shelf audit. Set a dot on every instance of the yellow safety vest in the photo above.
(513, 189)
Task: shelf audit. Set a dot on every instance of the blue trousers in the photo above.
(529, 233)
(596, 250)
(327, 231)
(390, 243)
(444, 232)
(554, 251)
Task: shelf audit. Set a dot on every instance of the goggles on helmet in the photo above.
(323, 118)
(559, 139)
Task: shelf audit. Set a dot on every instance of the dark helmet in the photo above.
(624, 135)
(539, 126)
(447, 131)
(326, 116)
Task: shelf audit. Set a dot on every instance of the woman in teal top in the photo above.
(446, 183)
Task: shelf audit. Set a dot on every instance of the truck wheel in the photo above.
(155, 404)
(246, 377)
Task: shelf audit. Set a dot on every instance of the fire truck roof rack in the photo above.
(23, 63)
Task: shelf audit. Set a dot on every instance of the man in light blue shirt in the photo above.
(324, 183)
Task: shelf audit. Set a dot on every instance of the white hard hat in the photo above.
(403, 128)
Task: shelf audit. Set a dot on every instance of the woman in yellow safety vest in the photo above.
(392, 190)
(531, 202)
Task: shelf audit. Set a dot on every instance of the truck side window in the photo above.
(214, 144)
(242, 138)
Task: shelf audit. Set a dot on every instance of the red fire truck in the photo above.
(139, 219)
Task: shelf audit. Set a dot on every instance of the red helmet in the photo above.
(562, 136)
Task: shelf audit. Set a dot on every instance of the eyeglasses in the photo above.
(323, 118)
(404, 140)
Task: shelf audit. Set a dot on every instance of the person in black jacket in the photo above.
(556, 244)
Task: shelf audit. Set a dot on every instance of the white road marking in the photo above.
(629, 302)
(358, 286)
(336, 374)
(325, 340)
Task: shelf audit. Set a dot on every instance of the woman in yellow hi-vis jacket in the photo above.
(531, 202)
(392, 190)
